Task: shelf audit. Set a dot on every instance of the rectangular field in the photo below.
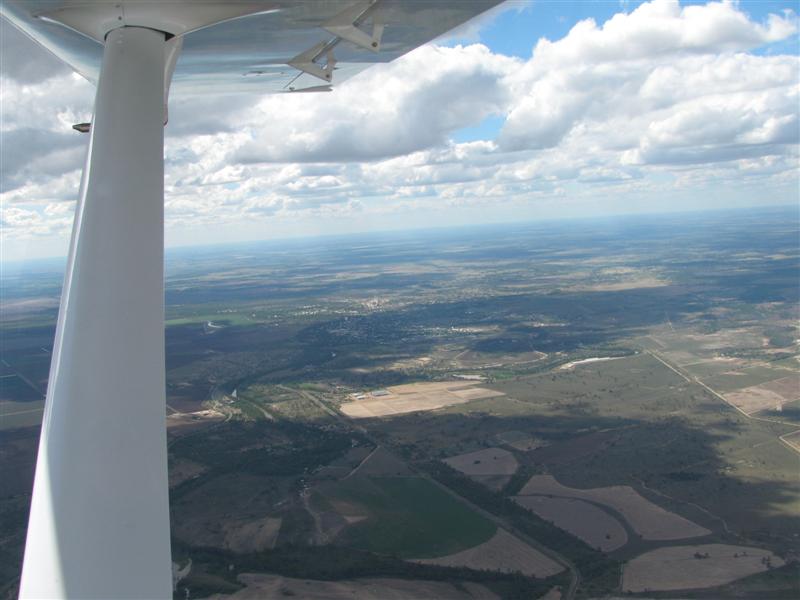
(409, 517)
(750, 376)
(767, 396)
(261, 585)
(402, 399)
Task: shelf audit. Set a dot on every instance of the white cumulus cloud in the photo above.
(663, 99)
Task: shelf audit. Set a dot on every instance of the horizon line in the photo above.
(351, 234)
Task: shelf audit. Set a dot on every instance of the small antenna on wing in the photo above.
(346, 25)
(307, 61)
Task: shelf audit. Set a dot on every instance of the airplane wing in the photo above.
(263, 46)
(99, 519)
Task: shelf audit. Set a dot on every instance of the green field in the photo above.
(409, 517)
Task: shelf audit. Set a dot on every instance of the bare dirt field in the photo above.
(690, 567)
(492, 467)
(264, 587)
(648, 520)
(767, 396)
(475, 393)
(503, 552)
(591, 524)
(414, 397)
(788, 387)
(183, 469)
(489, 461)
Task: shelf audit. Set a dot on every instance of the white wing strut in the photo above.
(99, 520)
(99, 523)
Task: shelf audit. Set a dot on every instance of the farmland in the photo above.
(586, 521)
(414, 397)
(771, 395)
(502, 552)
(649, 520)
(492, 466)
(583, 402)
(405, 516)
(258, 587)
(688, 567)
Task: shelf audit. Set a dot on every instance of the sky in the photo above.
(536, 110)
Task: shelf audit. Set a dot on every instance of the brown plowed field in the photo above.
(503, 552)
(679, 568)
(648, 520)
(591, 524)
(492, 467)
(266, 587)
(767, 396)
(489, 461)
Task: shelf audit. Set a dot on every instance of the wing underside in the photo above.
(266, 47)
